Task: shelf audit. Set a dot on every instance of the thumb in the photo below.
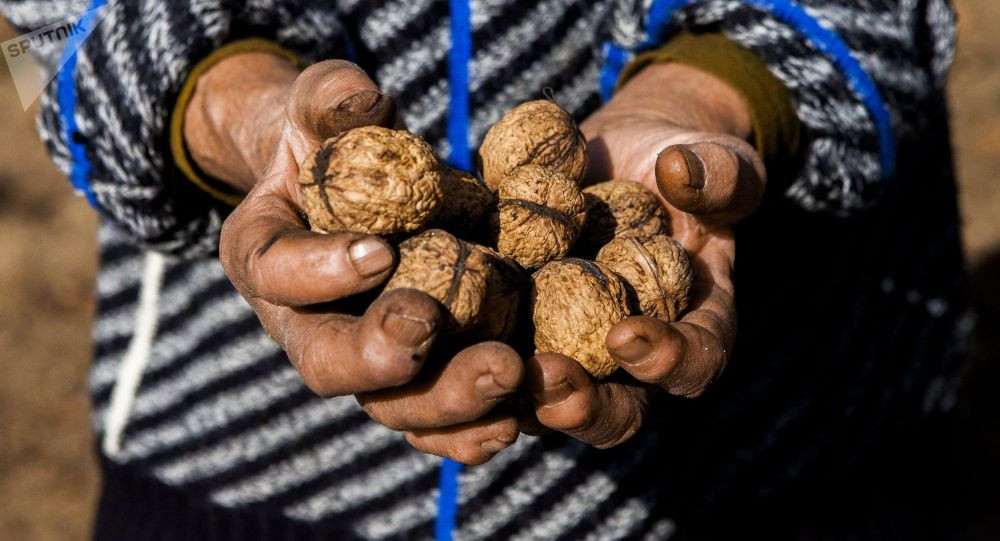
(712, 181)
(334, 96)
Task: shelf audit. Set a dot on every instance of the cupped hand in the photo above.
(683, 134)
(293, 277)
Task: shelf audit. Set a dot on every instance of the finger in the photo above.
(567, 399)
(471, 443)
(334, 96)
(469, 386)
(338, 354)
(267, 252)
(522, 407)
(683, 357)
(720, 183)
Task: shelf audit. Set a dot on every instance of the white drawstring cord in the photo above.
(137, 356)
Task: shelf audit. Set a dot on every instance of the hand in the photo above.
(683, 134)
(257, 105)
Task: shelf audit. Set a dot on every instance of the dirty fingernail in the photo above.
(360, 102)
(370, 257)
(488, 388)
(679, 163)
(408, 331)
(696, 169)
(363, 108)
(552, 396)
(493, 446)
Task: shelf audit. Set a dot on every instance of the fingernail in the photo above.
(553, 396)
(680, 162)
(406, 330)
(370, 257)
(360, 102)
(635, 350)
(696, 169)
(488, 388)
(493, 446)
(364, 108)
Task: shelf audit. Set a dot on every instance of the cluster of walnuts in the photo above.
(522, 254)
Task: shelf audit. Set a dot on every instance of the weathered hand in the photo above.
(683, 134)
(293, 277)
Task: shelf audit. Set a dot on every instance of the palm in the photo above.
(681, 357)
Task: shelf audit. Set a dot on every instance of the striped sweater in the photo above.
(206, 432)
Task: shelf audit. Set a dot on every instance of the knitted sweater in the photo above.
(849, 280)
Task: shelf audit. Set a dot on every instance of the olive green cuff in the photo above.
(178, 148)
(777, 129)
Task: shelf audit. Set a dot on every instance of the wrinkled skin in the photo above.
(683, 134)
(254, 118)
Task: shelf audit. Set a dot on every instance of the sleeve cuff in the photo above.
(178, 148)
(776, 126)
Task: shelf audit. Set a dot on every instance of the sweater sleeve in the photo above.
(112, 136)
(859, 73)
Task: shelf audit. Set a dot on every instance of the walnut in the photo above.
(479, 290)
(371, 180)
(467, 206)
(537, 132)
(574, 304)
(617, 208)
(504, 285)
(658, 270)
(540, 215)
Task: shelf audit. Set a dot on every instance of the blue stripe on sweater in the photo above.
(458, 79)
(461, 157)
(792, 14)
(66, 94)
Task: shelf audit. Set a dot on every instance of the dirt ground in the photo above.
(48, 481)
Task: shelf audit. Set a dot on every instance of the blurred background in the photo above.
(48, 479)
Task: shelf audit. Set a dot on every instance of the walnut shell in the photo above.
(371, 180)
(478, 289)
(658, 270)
(504, 285)
(574, 304)
(541, 212)
(467, 206)
(537, 132)
(619, 208)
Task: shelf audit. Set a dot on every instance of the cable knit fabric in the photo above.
(850, 287)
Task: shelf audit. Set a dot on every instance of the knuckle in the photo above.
(330, 81)
(628, 428)
(315, 367)
(327, 67)
(228, 241)
(320, 386)
(317, 379)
